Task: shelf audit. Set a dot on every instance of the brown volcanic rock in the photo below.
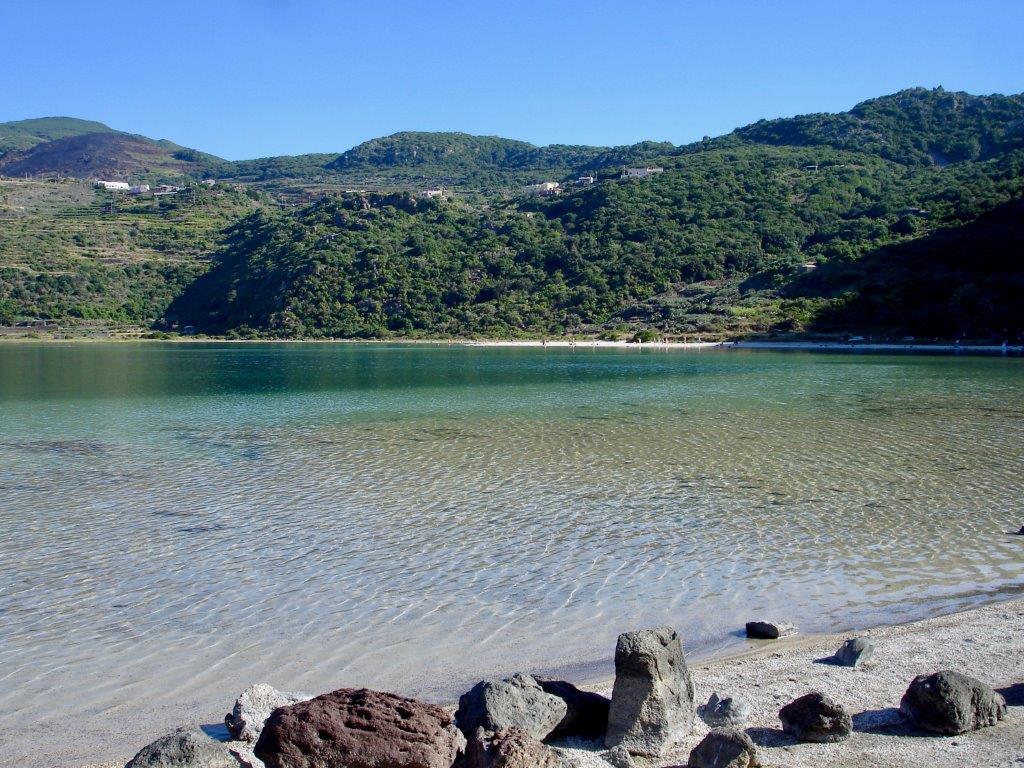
(351, 728)
(509, 748)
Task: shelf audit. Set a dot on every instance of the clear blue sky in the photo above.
(247, 78)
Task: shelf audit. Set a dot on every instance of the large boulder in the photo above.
(509, 748)
(951, 703)
(768, 630)
(816, 717)
(252, 708)
(518, 702)
(724, 713)
(586, 713)
(724, 748)
(361, 728)
(184, 749)
(652, 699)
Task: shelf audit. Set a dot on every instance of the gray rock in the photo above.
(854, 652)
(617, 757)
(723, 713)
(951, 703)
(652, 699)
(816, 717)
(252, 708)
(724, 748)
(518, 702)
(586, 712)
(509, 748)
(768, 630)
(184, 749)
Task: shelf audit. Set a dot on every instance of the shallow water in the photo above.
(181, 520)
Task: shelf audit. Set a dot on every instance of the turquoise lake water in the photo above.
(180, 520)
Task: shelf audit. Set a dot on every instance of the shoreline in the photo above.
(982, 641)
(942, 348)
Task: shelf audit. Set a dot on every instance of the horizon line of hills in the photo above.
(904, 215)
(66, 146)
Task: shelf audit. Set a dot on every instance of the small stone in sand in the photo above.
(815, 717)
(853, 652)
(184, 749)
(721, 713)
(724, 748)
(508, 748)
(768, 630)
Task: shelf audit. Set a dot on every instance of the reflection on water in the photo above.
(182, 520)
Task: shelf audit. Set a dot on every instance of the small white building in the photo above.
(139, 189)
(434, 193)
(544, 188)
(585, 181)
(208, 182)
(113, 186)
(639, 173)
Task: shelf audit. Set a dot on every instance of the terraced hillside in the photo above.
(75, 253)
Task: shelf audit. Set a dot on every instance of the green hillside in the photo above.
(819, 223)
(25, 134)
(72, 252)
(738, 218)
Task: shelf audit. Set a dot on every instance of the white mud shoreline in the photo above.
(986, 643)
(565, 343)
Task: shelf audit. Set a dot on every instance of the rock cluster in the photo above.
(951, 703)
(505, 723)
(652, 698)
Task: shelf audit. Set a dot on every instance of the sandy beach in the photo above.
(10, 336)
(983, 642)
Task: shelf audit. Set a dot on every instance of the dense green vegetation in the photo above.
(867, 220)
(71, 252)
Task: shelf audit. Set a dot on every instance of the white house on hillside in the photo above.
(113, 186)
(544, 188)
(639, 173)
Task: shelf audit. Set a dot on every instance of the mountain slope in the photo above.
(24, 134)
(109, 155)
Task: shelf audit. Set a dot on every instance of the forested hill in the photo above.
(721, 242)
(823, 222)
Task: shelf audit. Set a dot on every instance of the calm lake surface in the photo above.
(181, 520)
